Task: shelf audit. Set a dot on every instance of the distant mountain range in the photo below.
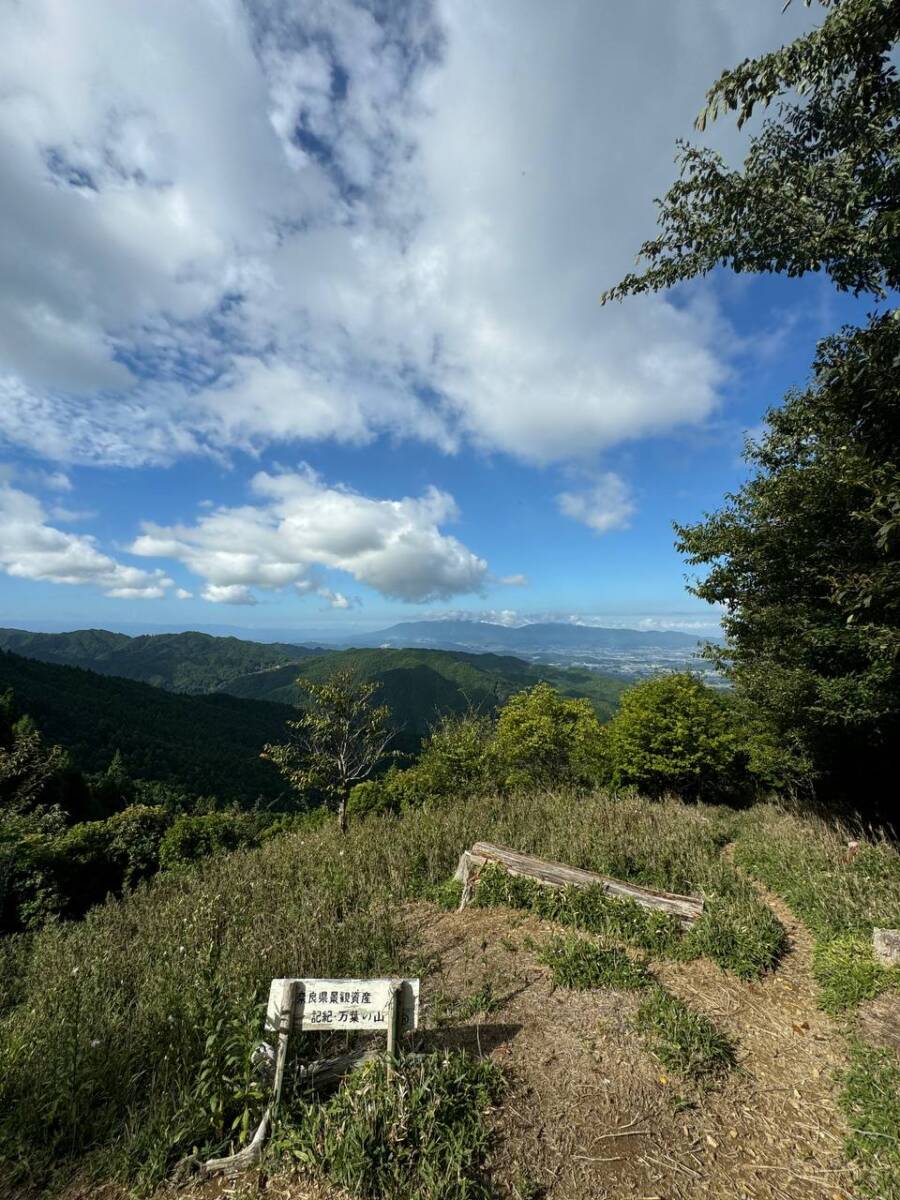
(199, 663)
(627, 653)
(419, 684)
(543, 637)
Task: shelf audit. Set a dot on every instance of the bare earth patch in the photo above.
(591, 1113)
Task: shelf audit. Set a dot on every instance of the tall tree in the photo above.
(336, 742)
(820, 185)
(804, 559)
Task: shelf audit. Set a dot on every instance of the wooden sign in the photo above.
(351, 1005)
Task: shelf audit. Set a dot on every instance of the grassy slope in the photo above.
(420, 684)
(208, 745)
(182, 662)
(167, 982)
(126, 1035)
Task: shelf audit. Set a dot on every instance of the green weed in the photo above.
(840, 896)
(420, 1132)
(847, 972)
(682, 1040)
(575, 962)
(871, 1102)
(737, 930)
(589, 909)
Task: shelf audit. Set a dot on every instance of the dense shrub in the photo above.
(190, 838)
(675, 734)
(543, 739)
(58, 871)
(455, 761)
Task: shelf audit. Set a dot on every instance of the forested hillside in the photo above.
(205, 745)
(421, 685)
(182, 662)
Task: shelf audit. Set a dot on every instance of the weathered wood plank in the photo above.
(685, 909)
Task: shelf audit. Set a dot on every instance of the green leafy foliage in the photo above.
(675, 734)
(683, 1040)
(456, 759)
(336, 742)
(420, 1132)
(581, 964)
(804, 561)
(543, 739)
(192, 838)
(63, 871)
(818, 188)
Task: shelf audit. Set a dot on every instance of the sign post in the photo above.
(390, 1006)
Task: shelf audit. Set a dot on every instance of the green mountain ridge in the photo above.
(195, 663)
(420, 685)
(203, 745)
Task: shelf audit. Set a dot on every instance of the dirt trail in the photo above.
(592, 1115)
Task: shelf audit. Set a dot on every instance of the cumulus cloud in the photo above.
(605, 505)
(224, 225)
(298, 525)
(30, 548)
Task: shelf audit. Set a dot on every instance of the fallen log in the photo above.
(685, 909)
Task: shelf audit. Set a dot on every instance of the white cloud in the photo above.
(513, 580)
(32, 549)
(226, 225)
(299, 525)
(183, 594)
(228, 593)
(605, 505)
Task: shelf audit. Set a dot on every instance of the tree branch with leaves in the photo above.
(820, 185)
(337, 741)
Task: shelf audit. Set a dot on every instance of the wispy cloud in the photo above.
(604, 505)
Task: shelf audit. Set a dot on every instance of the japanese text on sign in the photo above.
(346, 1003)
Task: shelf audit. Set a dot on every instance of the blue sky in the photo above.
(299, 312)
